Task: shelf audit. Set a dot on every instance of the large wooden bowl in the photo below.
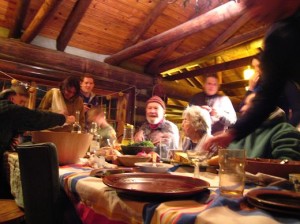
(70, 146)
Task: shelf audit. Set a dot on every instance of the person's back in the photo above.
(219, 107)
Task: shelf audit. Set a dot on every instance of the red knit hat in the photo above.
(156, 99)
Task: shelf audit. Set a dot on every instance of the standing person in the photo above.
(65, 100)
(280, 65)
(157, 127)
(89, 98)
(17, 119)
(219, 107)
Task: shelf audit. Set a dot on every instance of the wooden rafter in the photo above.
(71, 24)
(18, 18)
(38, 21)
(186, 29)
(211, 69)
(139, 32)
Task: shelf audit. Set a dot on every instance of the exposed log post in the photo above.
(213, 17)
(211, 69)
(37, 22)
(71, 24)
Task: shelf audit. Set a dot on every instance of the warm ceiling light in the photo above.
(248, 73)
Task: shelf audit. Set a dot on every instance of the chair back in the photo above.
(40, 183)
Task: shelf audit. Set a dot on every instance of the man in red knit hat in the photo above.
(157, 127)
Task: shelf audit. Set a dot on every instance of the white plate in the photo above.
(148, 167)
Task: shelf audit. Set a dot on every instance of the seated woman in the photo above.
(196, 126)
(273, 139)
(65, 100)
(157, 127)
(104, 129)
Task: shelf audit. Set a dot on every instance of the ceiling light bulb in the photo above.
(248, 73)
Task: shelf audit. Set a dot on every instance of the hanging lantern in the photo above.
(32, 89)
(14, 82)
(248, 73)
(121, 94)
(108, 97)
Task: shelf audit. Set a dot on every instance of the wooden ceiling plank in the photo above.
(211, 69)
(257, 33)
(39, 20)
(186, 29)
(18, 18)
(139, 32)
(72, 23)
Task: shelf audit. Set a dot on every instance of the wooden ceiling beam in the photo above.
(243, 38)
(39, 20)
(144, 26)
(71, 24)
(211, 69)
(16, 50)
(18, 18)
(213, 17)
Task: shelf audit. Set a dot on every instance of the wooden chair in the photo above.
(10, 213)
(40, 183)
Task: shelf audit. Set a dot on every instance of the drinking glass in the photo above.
(232, 172)
(198, 158)
(165, 145)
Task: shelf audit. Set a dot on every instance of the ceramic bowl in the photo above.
(133, 150)
(70, 146)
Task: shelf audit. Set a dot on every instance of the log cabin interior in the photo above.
(134, 48)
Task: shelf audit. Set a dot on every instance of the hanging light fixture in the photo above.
(248, 73)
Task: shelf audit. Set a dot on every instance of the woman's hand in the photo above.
(70, 119)
(221, 139)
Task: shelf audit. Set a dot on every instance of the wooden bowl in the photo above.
(70, 146)
(130, 160)
(133, 150)
(272, 167)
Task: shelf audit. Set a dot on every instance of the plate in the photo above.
(150, 184)
(272, 167)
(149, 167)
(275, 200)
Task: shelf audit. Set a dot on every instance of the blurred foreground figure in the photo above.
(280, 64)
(273, 139)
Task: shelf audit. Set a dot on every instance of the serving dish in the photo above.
(150, 184)
(133, 150)
(70, 146)
(272, 167)
(149, 167)
(275, 200)
(130, 160)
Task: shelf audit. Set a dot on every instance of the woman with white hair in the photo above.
(196, 126)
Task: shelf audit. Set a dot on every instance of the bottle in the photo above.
(95, 144)
(127, 135)
(76, 126)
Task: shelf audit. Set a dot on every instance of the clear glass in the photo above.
(198, 158)
(76, 126)
(232, 172)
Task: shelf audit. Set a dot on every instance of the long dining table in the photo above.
(95, 202)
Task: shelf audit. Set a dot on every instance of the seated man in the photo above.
(274, 139)
(157, 128)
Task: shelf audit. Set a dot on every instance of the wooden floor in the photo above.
(10, 213)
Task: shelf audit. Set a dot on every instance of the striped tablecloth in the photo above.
(97, 203)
